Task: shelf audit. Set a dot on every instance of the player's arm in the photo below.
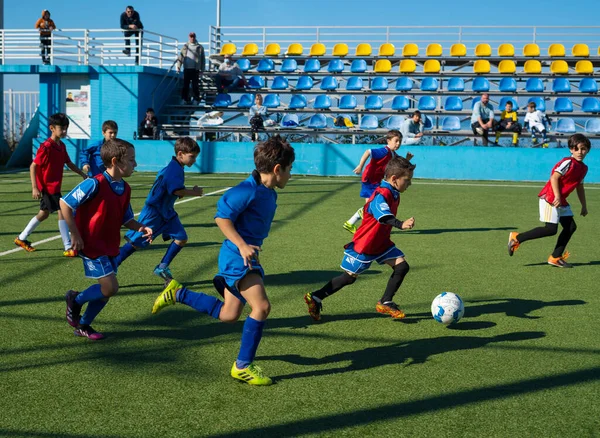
(81, 193)
(195, 191)
(380, 209)
(248, 252)
(555, 184)
(84, 160)
(581, 195)
(69, 217)
(134, 225)
(35, 191)
(362, 162)
(77, 170)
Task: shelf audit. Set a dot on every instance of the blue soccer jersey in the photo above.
(90, 155)
(161, 197)
(379, 207)
(379, 153)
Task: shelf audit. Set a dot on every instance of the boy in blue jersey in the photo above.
(159, 210)
(244, 216)
(90, 160)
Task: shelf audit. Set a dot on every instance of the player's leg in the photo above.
(135, 239)
(548, 215)
(65, 236)
(387, 305)
(314, 299)
(559, 255)
(21, 239)
(172, 230)
(175, 292)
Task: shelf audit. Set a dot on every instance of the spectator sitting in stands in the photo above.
(258, 114)
(508, 122)
(536, 121)
(229, 76)
(192, 59)
(412, 129)
(482, 119)
(149, 126)
(213, 118)
(132, 26)
(45, 25)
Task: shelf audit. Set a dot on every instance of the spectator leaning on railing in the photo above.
(132, 26)
(192, 59)
(45, 25)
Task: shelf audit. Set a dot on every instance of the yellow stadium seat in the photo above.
(434, 50)
(506, 50)
(408, 66)
(317, 49)
(410, 49)
(531, 50)
(559, 68)
(383, 66)
(250, 50)
(364, 49)
(432, 66)
(228, 49)
(580, 50)
(506, 66)
(481, 66)
(483, 50)
(556, 50)
(340, 49)
(584, 67)
(272, 49)
(533, 66)
(387, 49)
(458, 50)
(295, 49)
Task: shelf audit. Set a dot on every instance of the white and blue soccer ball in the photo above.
(447, 308)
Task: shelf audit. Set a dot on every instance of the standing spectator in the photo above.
(193, 59)
(482, 119)
(258, 113)
(509, 121)
(132, 26)
(229, 76)
(149, 126)
(412, 129)
(45, 25)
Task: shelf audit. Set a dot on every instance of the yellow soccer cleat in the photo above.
(167, 296)
(252, 375)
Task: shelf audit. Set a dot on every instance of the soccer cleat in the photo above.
(534, 140)
(70, 253)
(167, 296)
(25, 244)
(560, 262)
(252, 375)
(545, 145)
(513, 243)
(86, 331)
(314, 306)
(164, 273)
(390, 308)
(73, 308)
(350, 227)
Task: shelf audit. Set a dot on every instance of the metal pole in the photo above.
(218, 36)
(4, 149)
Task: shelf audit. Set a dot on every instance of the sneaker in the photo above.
(560, 262)
(534, 140)
(73, 308)
(70, 253)
(167, 296)
(25, 244)
(126, 52)
(390, 308)
(87, 331)
(513, 243)
(479, 131)
(164, 273)
(314, 306)
(253, 375)
(350, 227)
(545, 145)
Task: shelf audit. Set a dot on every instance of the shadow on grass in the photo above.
(591, 263)
(455, 230)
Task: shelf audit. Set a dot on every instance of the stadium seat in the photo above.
(507, 85)
(483, 50)
(404, 83)
(271, 101)
(410, 49)
(563, 105)
(458, 50)
(354, 83)
(304, 83)
(363, 49)
(322, 102)
(481, 85)
(426, 103)
(481, 66)
(335, 66)
(340, 49)
(358, 66)
(312, 66)
(383, 66)
(427, 122)
(329, 83)
(590, 105)
(429, 84)
(289, 120)
(432, 66)
(531, 50)
(394, 122)
(348, 101)
(451, 123)
(294, 49)
(580, 50)
(505, 99)
(556, 50)
(534, 85)
(434, 49)
(592, 126)
(387, 49)
(265, 65)
(456, 84)
(289, 65)
(565, 126)
(246, 101)
(256, 82)
(561, 85)
(250, 49)
(317, 49)
(373, 102)
(559, 68)
(453, 103)
(379, 83)
(298, 101)
(400, 103)
(222, 101)
(540, 103)
(243, 64)
(317, 121)
(588, 85)
(369, 122)
(228, 49)
(584, 67)
(272, 49)
(280, 83)
(407, 66)
(532, 66)
(506, 50)
(507, 67)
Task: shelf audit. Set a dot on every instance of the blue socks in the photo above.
(92, 310)
(172, 251)
(250, 339)
(201, 302)
(92, 293)
(124, 252)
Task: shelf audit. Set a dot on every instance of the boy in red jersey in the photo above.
(46, 174)
(567, 175)
(372, 242)
(102, 205)
(374, 171)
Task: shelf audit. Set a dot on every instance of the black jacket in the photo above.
(134, 19)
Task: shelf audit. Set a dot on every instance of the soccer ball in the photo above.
(447, 308)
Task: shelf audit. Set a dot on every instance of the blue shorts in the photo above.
(367, 189)
(232, 269)
(170, 229)
(101, 267)
(356, 263)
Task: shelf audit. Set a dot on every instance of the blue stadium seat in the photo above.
(508, 85)
(335, 66)
(322, 102)
(271, 101)
(358, 66)
(453, 103)
(222, 101)
(563, 105)
(373, 103)
(566, 126)
(561, 85)
(318, 121)
(427, 103)
(404, 83)
(246, 101)
(347, 101)
(590, 105)
(480, 85)
(456, 84)
(243, 64)
(369, 122)
(505, 99)
(379, 83)
(477, 99)
(256, 82)
(534, 85)
(290, 120)
(289, 65)
(427, 122)
(451, 123)
(312, 66)
(400, 103)
(280, 83)
(304, 83)
(394, 122)
(592, 126)
(354, 83)
(540, 103)
(588, 85)
(265, 65)
(329, 83)
(429, 84)
(298, 101)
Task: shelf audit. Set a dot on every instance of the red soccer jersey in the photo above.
(375, 170)
(573, 172)
(51, 158)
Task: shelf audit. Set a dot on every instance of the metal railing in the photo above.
(19, 109)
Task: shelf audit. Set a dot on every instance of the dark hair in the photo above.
(257, 96)
(58, 119)
(129, 7)
(577, 139)
(532, 105)
(416, 113)
(393, 133)
(271, 152)
(187, 145)
(399, 166)
(115, 148)
(110, 124)
(150, 110)
(509, 102)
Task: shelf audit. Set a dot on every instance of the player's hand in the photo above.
(584, 211)
(76, 242)
(147, 233)
(86, 169)
(358, 170)
(409, 156)
(198, 191)
(35, 193)
(556, 202)
(249, 252)
(408, 224)
(178, 70)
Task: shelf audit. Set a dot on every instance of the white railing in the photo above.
(19, 109)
